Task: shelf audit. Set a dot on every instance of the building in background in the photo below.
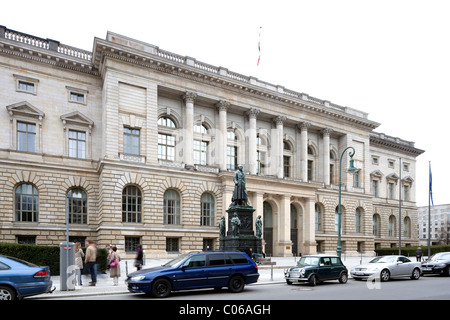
(440, 224)
(139, 145)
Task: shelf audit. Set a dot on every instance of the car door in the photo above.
(325, 269)
(219, 269)
(192, 273)
(400, 267)
(405, 266)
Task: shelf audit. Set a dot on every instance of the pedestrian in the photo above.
(90, 261)
(419, 254)
(79, 254)
(139, 257)
(114, 265)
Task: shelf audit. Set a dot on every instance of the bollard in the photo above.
(67, 267)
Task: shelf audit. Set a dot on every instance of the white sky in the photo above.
(387, 58)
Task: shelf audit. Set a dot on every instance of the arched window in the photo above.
(77, 206)
(407, 227)
(26, 203)
(172, 205)
(391, 226)
(318, 221)
(376, 225)
(358, 218)
(131, 205)
(207, 203)
(166, 139)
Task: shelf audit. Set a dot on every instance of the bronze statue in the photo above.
(235, 225)
(240, 197)
(258, 226)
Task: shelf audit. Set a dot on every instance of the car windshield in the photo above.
(440, 256)
(384, 259)
(308, 261)
(175, 262)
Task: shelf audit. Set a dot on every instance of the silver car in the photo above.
(386, 267)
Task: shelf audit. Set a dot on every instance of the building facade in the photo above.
(133, 144)
(438, 218)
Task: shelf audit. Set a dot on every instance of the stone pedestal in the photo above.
(246, 238)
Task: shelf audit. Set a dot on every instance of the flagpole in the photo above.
(400, 210)
(429, 208)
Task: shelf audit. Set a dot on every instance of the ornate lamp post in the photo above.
(351, 169)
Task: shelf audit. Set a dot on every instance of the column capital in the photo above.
(252, 113)
(223, 105)
(189, 96)
(304, 126)
(279, 120)
(326, 131)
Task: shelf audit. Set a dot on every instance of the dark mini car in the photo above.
(194, 271)
(317, 268)
(438, 263)
(20, 279)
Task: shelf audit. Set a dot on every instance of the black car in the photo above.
(439, 263)
(317, 268)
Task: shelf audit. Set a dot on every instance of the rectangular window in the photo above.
(375, 188)
(172, 245)
(287, 166)
(77, 97)
(131, 243)
(26, 86)
(77, 144)
(200, 151)
(231, 157)
(166, 147)
(26, 137)
(260, 162)
(131, 141)
(391, 187)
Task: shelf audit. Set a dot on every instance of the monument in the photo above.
(240, 235)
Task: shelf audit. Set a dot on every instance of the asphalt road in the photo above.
(426, 288)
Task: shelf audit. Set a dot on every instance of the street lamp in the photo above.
(351, 169)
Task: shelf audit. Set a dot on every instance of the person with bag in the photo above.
(79, 254)
(114, 265)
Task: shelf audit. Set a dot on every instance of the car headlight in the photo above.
(137, 278)
(441, 265)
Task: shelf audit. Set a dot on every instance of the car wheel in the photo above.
(312, 280)
(446, 271)
(415, 274)
(289, 282)
(161, 288)
(343, 278)
(236, 284)
(7, 293)
(385, 275)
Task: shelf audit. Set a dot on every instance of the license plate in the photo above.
(426, 269)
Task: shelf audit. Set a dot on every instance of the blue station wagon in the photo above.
(194, 271)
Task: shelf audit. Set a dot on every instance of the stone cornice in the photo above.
(395, 144)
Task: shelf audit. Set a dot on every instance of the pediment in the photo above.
(392, 176)
(408, 179)
(77, 118)
(26, 109)
(376, 173)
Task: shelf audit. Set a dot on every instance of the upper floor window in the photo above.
(166, 139)
(26, 136)
(26, 84)
(131, 140)
(77, 144)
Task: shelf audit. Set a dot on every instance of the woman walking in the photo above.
(79, 254)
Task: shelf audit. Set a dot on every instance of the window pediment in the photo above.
(25, 109)
(77, 118)
(392, 176)
(376, 174)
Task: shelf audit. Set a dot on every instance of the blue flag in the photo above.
(431, 186)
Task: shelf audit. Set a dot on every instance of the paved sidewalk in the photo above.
(268, 274)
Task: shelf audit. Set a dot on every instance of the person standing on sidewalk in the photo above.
(114, 265)
(90, 261)
(139, 257)
(79, 254)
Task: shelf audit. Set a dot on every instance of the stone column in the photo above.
(308, 233)
(304, 150)
(189, 98)
(326, 155)
(279, 121)
(222, 107)
(252, 114)
(283, 245)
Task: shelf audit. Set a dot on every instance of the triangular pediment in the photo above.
(25, 108)
(78, 118)
(392, 176)
(408, 179)
(376, 173)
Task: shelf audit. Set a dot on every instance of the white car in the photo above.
(386, 267)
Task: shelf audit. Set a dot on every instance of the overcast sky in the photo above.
(387, 58)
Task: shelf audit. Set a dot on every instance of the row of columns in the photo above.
(252, 114)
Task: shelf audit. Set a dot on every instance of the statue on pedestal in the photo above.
(240, 197)
(235, 225)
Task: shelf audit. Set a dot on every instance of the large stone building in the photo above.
(136, 144)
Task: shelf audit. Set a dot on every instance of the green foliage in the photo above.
(43, 255)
